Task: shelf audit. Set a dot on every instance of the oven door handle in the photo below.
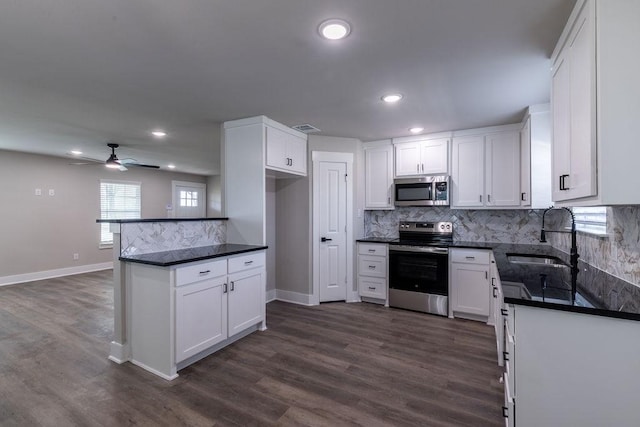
(417, 249)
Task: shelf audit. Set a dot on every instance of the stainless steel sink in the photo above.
(533, 259)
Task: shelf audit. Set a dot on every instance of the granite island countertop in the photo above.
(598, 293)
(183, 256)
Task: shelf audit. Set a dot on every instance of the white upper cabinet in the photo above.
(535, 158)
(421, 156)
(525, 163)
(485, 169)
(286, 150)
(595, 111)
(378, 169)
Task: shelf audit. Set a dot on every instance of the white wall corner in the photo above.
(293, 297)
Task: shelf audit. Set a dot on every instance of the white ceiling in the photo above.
(77, 73)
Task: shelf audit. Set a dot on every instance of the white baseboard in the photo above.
(50, 274)
(169, 377)
(293, 297)
(118, 353)
(271, 295)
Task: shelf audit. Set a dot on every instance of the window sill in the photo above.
(105, 246)
(595, 234)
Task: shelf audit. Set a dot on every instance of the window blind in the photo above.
(591, 219)
(118, 200)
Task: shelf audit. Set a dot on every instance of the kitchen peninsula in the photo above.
(181, 292)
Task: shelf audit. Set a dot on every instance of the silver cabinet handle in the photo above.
(372, 250)
(488, 198)
(523, 197)
(233, 287)
(470, 257)
(205, 272)
(371, 288)
(418, 167)
(224, 288)
(481, 198)
(423, 167)
(372, 267)
(248, 262)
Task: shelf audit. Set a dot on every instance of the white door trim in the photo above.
(175, 201)
(317, 157)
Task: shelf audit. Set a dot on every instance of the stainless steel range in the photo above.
(419, 267)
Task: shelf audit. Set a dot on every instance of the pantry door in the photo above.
(333, 248)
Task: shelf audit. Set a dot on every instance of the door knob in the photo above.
(324, 239)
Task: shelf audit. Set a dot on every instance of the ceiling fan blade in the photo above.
(133, 162)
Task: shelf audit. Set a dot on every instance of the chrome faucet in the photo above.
(574, 248)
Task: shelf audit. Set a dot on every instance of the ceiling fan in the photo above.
(114, 163)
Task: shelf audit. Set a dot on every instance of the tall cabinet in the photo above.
(378, 183)
(594, 99)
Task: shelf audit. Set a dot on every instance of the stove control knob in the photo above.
(448, 226)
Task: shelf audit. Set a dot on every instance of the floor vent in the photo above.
(306, 128)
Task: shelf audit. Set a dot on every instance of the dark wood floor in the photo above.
(336, 364)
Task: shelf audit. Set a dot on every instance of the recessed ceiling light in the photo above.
(416, 129)
(171, 166)
(334, 29)
(159, 133)
(76, 152)
(392, 97)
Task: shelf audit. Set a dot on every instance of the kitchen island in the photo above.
(181, 292)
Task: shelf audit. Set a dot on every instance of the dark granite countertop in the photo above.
(131, 221)
(598, 293)
(183, 256)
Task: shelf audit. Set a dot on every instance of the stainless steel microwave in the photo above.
(423, 191)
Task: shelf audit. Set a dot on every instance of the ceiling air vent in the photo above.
(306, 128)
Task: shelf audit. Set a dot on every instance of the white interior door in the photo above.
(189, 199)
(331, 210)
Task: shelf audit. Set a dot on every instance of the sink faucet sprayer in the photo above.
(574, 248)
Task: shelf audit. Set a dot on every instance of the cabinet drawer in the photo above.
(372, 287)
(372, 249)
(245, 262)
(197, 272)
(470, 256)
(372, 266)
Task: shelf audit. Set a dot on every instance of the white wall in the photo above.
(214, 196)
(40, 233)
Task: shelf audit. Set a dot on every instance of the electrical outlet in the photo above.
(76, 256)
(38, 192)
(52, 192)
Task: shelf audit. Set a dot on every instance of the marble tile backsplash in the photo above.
(504, 226)
(619, 252)
(147, 237)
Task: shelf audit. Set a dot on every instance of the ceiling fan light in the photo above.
(392, 98)
(112, 165)
(334, 29)
(159, 133)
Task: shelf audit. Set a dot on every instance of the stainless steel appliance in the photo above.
(419, 267)
(424, 191)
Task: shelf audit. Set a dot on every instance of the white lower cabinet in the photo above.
(182, 314)
(372, 272)
(201, 316)
(470, 283)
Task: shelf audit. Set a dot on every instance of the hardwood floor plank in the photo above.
(329, 365)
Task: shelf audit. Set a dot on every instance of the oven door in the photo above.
(422, 272)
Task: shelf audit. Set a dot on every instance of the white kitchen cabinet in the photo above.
(286, 150)
(372, 272)
(183, 313)
(471, 290)
(594, 105)
(486, 169)
(421, 156)
(535, 158)
(201, 316)
(497, 305)
(246, 299)
(378, 169)
(573, 369)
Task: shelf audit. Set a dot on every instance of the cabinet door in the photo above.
(560, 145)
(297, 154)
(378, 183)
(276, 141)
(471, 289)
(525, 164)
(582, 177)
(246, 299)
(407, 159)
(502, 182)
(201, 316)
(434, 157)
(468, 171)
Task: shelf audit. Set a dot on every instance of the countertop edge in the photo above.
(575, 309)
(133, 221)
(194, 259)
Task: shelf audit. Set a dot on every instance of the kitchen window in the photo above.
(592, 220)
(118, 200)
